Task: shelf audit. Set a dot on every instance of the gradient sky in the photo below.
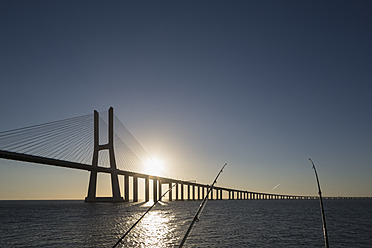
(261, 85)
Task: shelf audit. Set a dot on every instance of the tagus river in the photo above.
(239, 223)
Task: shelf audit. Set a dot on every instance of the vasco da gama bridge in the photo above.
(87, 143)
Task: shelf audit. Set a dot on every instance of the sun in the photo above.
(154, 166)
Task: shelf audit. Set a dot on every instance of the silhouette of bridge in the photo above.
(70, 143)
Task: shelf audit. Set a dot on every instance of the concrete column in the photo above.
(147, 190)
(220, 194)
(182, 189)
(126, 188)
(135, 189)
(188, 192)
(155, 189)
(170, 192)
(203, 192)
(116, 196)
(92, 188)
(193, 192)
(114, 175)
(199, 195)
(160, 190)
(177, 186)
(211, 194)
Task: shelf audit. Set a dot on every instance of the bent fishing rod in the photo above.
(148, 210)
(321, 207)
(201, 207)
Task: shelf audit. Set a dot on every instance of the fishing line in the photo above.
(321, 207)
(148, 210)
(201, 207)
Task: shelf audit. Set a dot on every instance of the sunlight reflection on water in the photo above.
(156, 229)
(277, 223)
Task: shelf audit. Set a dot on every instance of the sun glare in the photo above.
(154, 166)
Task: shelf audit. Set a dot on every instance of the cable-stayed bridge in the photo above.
(90, 143)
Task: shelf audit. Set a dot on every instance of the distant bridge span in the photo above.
(185, 190)
(192, 187)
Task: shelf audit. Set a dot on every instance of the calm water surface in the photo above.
(260, 223)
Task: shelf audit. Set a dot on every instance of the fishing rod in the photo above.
(148, 210)
(321, 207)
(201, 207)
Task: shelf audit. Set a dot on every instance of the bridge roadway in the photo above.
(192, 187)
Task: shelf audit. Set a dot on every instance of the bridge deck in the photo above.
(163, 180)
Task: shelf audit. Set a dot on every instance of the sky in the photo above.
(260, 85)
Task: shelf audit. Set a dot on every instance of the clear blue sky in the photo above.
(261, 85)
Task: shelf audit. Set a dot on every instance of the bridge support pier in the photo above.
(147, 190)
(193, 192)
(170, 192)
(188, 192)
(135, 189)
(160, 190)
(177, 188)
(126, 188)
(92, 190)
(155, 189)
(182, 191)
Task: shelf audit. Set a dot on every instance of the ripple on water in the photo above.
(271, 223)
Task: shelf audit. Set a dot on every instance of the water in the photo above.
(260, 223)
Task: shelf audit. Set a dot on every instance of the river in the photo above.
(226, 223)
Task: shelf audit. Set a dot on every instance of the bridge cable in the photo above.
(71, 140)
(58, 139)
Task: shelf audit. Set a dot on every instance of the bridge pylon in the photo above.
(92, 189)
